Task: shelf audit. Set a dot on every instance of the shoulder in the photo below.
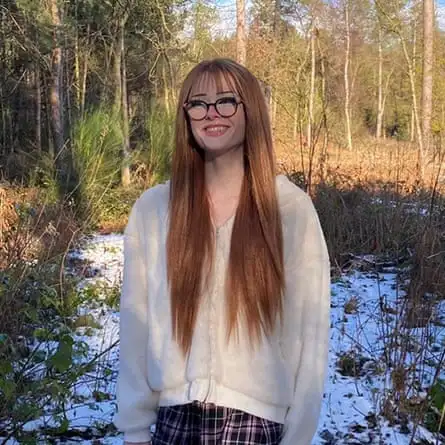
(154, 198)
(302, 232)
(292, 200)
(152, 205)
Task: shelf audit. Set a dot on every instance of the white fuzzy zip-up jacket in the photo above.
(281, 380)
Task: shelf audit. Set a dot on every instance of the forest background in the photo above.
(88, 92)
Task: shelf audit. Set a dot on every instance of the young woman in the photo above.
(225, 299)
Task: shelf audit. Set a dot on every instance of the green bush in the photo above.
(38, 351)
(42, 359)
(97, 141)
(116, 205)
(155, 154)
(435, 416)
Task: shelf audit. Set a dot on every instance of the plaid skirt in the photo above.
(200, 423)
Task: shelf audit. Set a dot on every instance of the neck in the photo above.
(224, 174)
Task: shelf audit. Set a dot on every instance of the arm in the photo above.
(137, 443)
(136, 401)
(306, 335)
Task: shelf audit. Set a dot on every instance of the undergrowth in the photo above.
(404, 234)
(42, 356)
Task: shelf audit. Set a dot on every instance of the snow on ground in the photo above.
(357, 330)
(350, 404)
(104, 255)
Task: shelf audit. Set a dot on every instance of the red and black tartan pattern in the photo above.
(200, 423)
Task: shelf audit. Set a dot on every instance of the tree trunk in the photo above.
(273, 107)
(173, 88)
(2, 83)
(77, 65)
(117, 75)
(295, 126)
(427, 77)
(10, 132)
(55, 88)
(310, 121)
(3, 111)
(411, 74)
(67, 107)
(324, 149)
(385, 95)
(414, 55)
(166, 86)
(81, 71)
(346, 76)
(378, 132)
(83, 86)
(125, 170)
(38, 102)
(310, 125)
(46, 79)
(241, 49)
(277, 19)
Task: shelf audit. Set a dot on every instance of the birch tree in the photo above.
(56, 79)
(347, 105)
(310, 120)
(378, 132)
(427, 75)
(125, 168)
(241, 42)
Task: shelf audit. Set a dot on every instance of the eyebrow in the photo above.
(218, 93)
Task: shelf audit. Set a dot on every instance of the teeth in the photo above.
(215, 129)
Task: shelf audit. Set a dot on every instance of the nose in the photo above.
(212, 113)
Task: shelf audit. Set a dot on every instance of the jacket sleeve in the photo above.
(306, 329)
(136, 402)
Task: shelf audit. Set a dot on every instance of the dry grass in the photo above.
(33, 228)
(385, 164)
(371, 201)
(35, 237)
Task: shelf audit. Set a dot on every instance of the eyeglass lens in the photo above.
(225, 107)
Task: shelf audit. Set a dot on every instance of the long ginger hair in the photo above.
(255, 274)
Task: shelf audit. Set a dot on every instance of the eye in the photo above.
(227, 101)
(196, 104)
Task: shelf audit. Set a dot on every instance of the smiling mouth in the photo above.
(217, 130)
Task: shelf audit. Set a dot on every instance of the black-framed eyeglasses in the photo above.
(225, 107)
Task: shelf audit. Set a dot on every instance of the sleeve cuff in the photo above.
(138, 436)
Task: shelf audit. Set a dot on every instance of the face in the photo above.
(217, 128)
